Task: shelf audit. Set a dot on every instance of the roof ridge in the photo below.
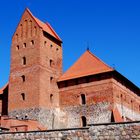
(87, 64)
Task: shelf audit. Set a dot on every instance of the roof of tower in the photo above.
(45, 26)
(87, 64)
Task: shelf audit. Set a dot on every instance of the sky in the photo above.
(111, 29)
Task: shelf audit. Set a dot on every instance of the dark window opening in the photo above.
(17, 48)
(23, 78)
(17, 37)
(57, 49)
(45, 42)
(51, 45)
(32, 42)
(51, 79)
(24, 60)
(24, 45)
(83, 99)
(23, 96)
(112, 117)
(84, 121)
(51, 63)
(51, 98)
(35, 30)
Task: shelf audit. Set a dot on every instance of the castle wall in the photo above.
(126, 100)
(97, 107)
(123, 131)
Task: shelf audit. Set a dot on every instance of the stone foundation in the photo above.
(68, 117)
(122, 131)
(97, 113)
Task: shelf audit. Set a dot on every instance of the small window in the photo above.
(51, 63)
(23, 96)
(51, 45)
(23, 78)
(83, 99)
(45, 43)
(32, 42)
(51, 98)
(84, 121)
(24, 45)
(24, 60)
(17, 47)
(57, 49)
(17, 37)
(51, 79)
(35, 30)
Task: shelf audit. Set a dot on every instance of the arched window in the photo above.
(83, 99)
(23, 78)
(23, 96)
(51, 98)
(24, 60)
(84, 121)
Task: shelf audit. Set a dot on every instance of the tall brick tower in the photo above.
(36, 64)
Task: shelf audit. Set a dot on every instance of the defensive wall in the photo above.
(106, 131)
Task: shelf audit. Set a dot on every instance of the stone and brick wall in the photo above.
(124, 131)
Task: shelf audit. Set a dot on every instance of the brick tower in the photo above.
(36, 64)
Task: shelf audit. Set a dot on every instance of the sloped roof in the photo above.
(45, 26)
(87, 64)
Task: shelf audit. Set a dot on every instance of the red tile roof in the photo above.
(45, 26)
(87, 64)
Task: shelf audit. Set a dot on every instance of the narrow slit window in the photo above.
(23, 78)
(51, 98)
(24, 60)
(24, 45)
(51, 63)
(84, 121)
(83, 99)
(45, 43)
(23, 96)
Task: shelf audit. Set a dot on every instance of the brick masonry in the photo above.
(124, 131)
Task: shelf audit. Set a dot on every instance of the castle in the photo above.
(40, 96)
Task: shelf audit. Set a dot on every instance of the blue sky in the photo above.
(110, 27)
